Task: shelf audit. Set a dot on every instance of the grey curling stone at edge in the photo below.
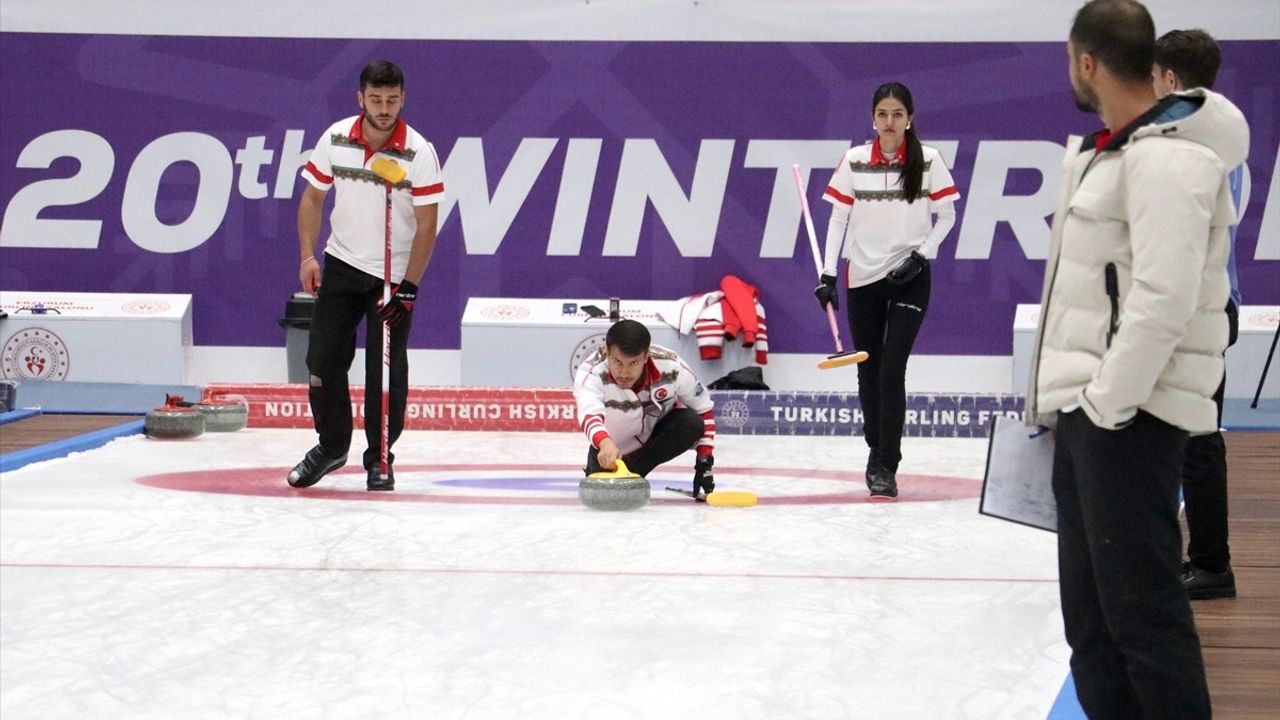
(223, 416)
(174, 423)
(614, 493)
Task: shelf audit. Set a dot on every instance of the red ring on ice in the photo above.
(270, 482)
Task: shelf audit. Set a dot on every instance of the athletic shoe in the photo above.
(883, 484)
(313, 467)
(1202, 584)
(378, 483)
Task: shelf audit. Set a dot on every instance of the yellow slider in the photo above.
(732, 498)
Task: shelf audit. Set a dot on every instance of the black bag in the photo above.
(747, 378)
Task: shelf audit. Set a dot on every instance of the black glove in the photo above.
(826, 293)
(403, 296)
(703, 482)
(908, 269)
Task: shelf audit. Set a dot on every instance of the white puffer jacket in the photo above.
(1152, 211)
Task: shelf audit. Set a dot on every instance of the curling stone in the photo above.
(175, 420)
(224, 413)
(620, 489)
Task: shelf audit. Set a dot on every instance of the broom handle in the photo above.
(386, 343)
(1262, 380)
(808, 221)
(817, 256)
(835, 329)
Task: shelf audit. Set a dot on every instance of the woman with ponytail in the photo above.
(884, 196)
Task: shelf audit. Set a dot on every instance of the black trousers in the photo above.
(885, 320)
(346, 297)
(1204, 484)
(677, 431)
(1134, 648)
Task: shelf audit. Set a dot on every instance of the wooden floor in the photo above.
(41, 429)
(1241, 637)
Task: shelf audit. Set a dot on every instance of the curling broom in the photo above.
(391, 174)
(841, 357)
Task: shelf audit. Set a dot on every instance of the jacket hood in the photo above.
(1201, 116)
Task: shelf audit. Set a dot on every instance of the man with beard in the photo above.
(351, 285)
(1127, 358)
(641, 403)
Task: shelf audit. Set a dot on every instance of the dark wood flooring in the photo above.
(1241, 637)
(41, 429)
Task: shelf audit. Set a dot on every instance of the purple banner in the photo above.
(644, 170)
(837, 413)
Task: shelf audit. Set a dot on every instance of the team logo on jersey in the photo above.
(661, 394)
(733, 413)
(584, 349)
(145, 307)
(35, 354)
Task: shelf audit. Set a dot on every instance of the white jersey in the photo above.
(883, 228)
(627, 416)
(357, 235)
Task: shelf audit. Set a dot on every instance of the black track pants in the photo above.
(347, 296)
(885, 320)
(1204, 485)
(678, 431)
(1134, 648)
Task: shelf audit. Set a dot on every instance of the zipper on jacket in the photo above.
(1113, 292)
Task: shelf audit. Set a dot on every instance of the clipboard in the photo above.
(1018, 483)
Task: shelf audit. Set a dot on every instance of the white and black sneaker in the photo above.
(313, 467)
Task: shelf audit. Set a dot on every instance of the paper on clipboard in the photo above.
(1018, 485)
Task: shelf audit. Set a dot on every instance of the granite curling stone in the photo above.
(175, 420)
(223, 413)
(620, 489)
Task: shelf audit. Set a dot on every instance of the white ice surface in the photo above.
(120, 599)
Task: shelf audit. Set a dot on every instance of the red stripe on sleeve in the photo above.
(707, 442)
(839, 196)
(593, 426)
(944, 192)
(315, 173)
(428, 190)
